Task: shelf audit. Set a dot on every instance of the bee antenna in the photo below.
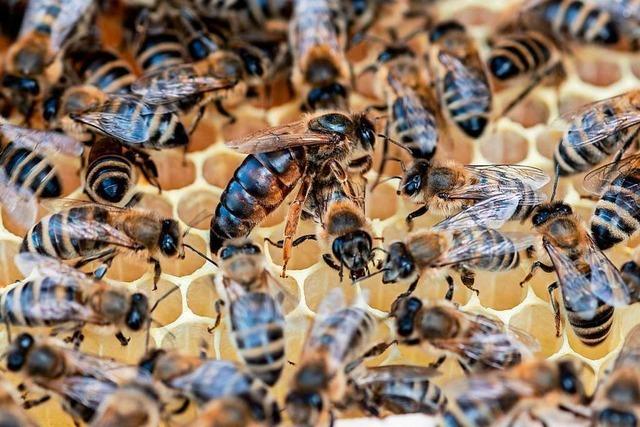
(555, 182)
(368, 276)
(186, 245)
(196, 219)
(176, 288)
(393, 141)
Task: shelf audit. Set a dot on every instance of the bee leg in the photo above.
(449, 294)
(146, 165)
(412, 287)
(591, 197)
(328, 259)
(438, 362)
(464, 367)
(534, 267)
(468, 278)
(374, 351)
(555, 305)
(196, 120)
(157, 271)
(99, 256)
(293, 218)
(415, 214)
(224, 112)
(218, 307)
(124, 341)
(182, 408)
(28, 404)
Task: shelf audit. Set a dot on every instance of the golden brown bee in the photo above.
(319, 147)
(396, 389)
(338, 337)
(318, 38)
(11, 412)
(591, 285)
(595, 131)
(537, 390)
(207, 380)
(465, 242)
(132, 405)
(29, 64)
(446, 187)
(478, 342)
(91, 232)
(251, 293)
(226, 412)
(461, 82)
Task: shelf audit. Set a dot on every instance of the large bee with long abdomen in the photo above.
(29, 63)
(591, 285)
(447, 187)
(514, 396)
(317, 148)
(257, 323)
(207, 380)
(92, 232)
(478, 342)
(461, 82)
(338, 337)
(595, 131)
(466, 242)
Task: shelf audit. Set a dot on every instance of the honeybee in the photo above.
(612, 24)
(257, 323)
(478, 342)
(338, 337)
(317, 36)
(461, 82)
(110, 177)
(132, 405)
(396, 389)
(25, 172)
(465, 242)
(316, 148)
(591, 285)
(530, 56)
(446, 187)
(11, 412)
(595, 131)
(29, 62)
(531, 389)
(92, 232)
(207, 380)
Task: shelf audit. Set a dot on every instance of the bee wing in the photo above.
(630, 353)
(71, 12)
(278, 290)
(213, 379)
(88, 391)
(18, 202)
(46, 266)
(394, 373)
(279, 137)
(470, 83)
(606, 281)
(38, 140)
(596, 121)
(597, 180)
(171, 84)
(485, 247)
(623, 10)
(332, 302)
(505, 175)
(490, 213)
(491, 389)
(100, 368)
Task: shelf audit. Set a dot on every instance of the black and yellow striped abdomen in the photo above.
(110, 176)
(414, 126)
(505, 258)
(103, 69)
(29, 170)
(519, 54)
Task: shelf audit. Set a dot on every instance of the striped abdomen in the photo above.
(39, 302)
(105, 70)
(479, 412)
(109, 176)
(49, 237)
(29, 170)
(501, 261)
(258, 329)
(519, 54)
(617, 215)
(258, 187)
(160, 50)
(468, 101)
(582, 21)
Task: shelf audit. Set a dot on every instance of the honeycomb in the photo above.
(193, 184)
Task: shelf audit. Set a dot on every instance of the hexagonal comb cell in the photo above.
(504, 147)
(598, 73)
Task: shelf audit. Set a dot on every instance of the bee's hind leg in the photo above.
(28, 404)
(555, 305)
(468, 278)
(124, 341)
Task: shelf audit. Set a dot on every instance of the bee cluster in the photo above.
(295, 211)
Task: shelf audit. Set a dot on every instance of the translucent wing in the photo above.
(597, 180)
(507, 174)
(33, 15)
(280, 137)
(38, 140)
(101, 368)
(630, 353)
(485, 245)
(594, 122)
(53, 268)
(212, 380)
(620, 9)
(88, 391)
(606, 281)
(58, 312)
(169, 85)
(71, 12)
(490, 213)
(18, 202)
(470, 84)
(395, 372)
(332, 303)
(490, 389)
(278, 290)
(575, 284)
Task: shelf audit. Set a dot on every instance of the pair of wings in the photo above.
(171, 84)
(471, 83)
(71, 11)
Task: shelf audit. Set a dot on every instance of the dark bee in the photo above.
(315, 148)
(478, 342)
(591, 285)
(91, 232)
(498, 398)
(207, 380)
(461, 83)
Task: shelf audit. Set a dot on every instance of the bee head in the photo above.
(548, 211)
(415, 178)
(353, 249)
(51, 105)
(252, 62)
(443, 29)
(405, 310)
(399, 264)
(569, 382)
(20, 348)
(170, 239)
(325, 97)
(304, 408)
(138, 313)
(149, 361)
(21, 84)
(365, 132)
(437, 323)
